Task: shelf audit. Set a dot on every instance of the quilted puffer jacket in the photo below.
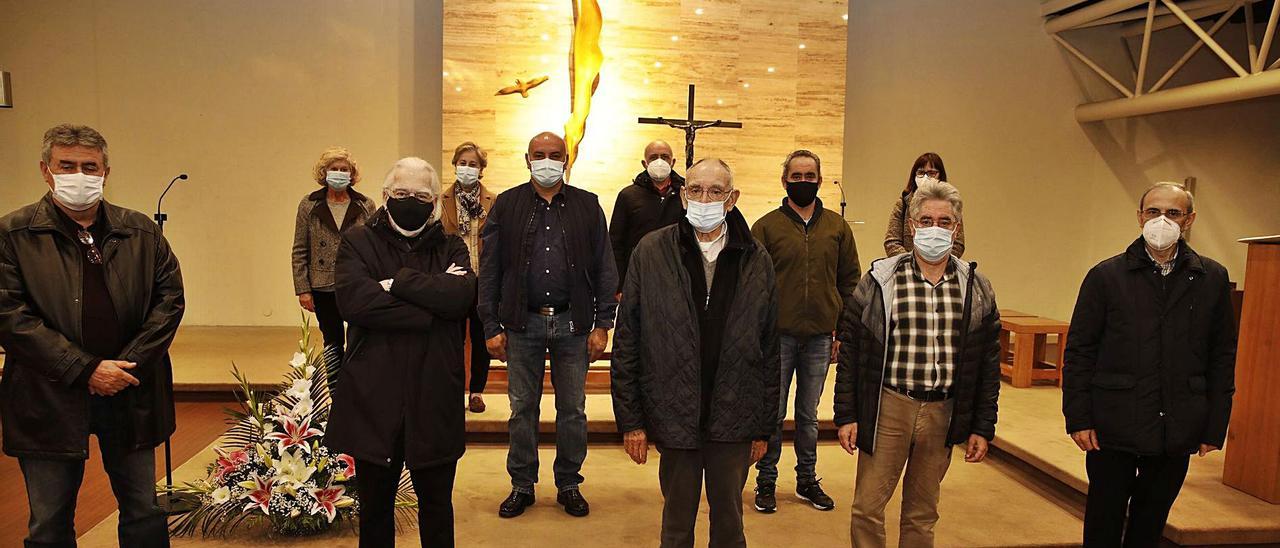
(656, 370)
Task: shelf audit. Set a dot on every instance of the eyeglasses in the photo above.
(700, 193)
(424, 196)
(1152, 212)
(928, 172)
(941, 223)
(87, 239)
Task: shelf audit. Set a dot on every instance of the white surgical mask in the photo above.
(467, 176)
(705, 216)
(658, 170)
(1161, 233)
(546, 172)
(922, 179)
(337, 180)
(77, 191)
(932, 242)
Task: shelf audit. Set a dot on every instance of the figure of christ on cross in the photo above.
(690, 127)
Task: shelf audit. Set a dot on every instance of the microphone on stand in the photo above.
(162, 217)
(843, 201)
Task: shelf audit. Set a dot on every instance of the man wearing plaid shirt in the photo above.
(918, 372)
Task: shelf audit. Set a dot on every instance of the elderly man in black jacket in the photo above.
(1149, 373)
(650, 202)
(695, 360)
(918, 371)
(405, 288)
(90, 298)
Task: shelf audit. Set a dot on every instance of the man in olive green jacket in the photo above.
(816, 261)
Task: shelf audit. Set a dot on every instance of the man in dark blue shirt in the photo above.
(547, 283)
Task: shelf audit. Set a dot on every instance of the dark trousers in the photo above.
(52, 486)
(681, 472)
(1123, 483)
(331, 326)
(378, 485)
(479, 352)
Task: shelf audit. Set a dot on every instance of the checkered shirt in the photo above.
(925, 329)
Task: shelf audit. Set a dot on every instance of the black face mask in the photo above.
(802, 193)
(409, 213)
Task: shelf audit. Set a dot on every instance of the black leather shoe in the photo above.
(812, 493)
(573, 503)
(515, 504)
(765, 501)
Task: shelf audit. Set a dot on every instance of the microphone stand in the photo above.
(843, 201)
(172, 503)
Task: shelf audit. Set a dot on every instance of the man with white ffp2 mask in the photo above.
(1149, 371)
(650, 202)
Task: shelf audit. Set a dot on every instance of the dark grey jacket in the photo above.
(863, 333)
(656, 370)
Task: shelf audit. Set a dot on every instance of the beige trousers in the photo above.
(911, 434)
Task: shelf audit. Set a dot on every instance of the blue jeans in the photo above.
(808, 359)
(52, 486)
(526, 361)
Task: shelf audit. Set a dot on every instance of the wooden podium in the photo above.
(1253, 441)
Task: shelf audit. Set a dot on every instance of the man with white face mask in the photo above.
(695, 364)
(650, 202)
(1149, 372)
(90, 298)
(918, 371)
(547, 286)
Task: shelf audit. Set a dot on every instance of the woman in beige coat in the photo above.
(464, 206)
(323, 216)
(896, 242)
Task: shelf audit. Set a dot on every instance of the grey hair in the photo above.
(413, 170)
(71, 135)
(1191, 200)
(712, 163)
(936, 191)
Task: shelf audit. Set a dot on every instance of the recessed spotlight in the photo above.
(698, 11)
(845, 17)
(770, 70)
(458, 89)
(543, 7)
(746, 85)
(802, 46)
(646, 81)
(675, 38)
(446, 74)
(546, 37)
(719, 101)
(657, 64)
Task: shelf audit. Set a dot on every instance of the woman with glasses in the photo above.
(323, 216)
(928, 167)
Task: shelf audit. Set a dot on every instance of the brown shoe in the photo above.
(476, 404)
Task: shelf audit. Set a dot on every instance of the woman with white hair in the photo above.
(323, 216)
(405, 287)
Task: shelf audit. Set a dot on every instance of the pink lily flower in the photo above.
(294, 433)
(229, 462)
(260, 496)
(327, 500)
(350, 465)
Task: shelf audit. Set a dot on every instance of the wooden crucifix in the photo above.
(690, 127)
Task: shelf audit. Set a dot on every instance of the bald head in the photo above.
(658, 149)
(547, 145)
(710, 172)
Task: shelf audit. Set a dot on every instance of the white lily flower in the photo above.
(292, 469)
(301, 389)
(221, 495)
(298, 360)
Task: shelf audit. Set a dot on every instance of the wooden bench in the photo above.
(1026, 362)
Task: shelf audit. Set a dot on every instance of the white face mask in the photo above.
(922, 179)
(1161, 233)
(77, 191)
(337, 180)
(546, 172)
(932, 243)
(705, 216)
(658, 170)
(467, 176)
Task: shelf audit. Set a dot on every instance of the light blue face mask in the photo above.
(337, 180)
(705, 216)
(932, 242)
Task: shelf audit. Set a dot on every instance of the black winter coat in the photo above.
(656, 370)
(639, 210)
(44, 401)
(863, 333)
(1150, 359)
(404, 360)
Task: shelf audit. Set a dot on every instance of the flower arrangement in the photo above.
(273, 466)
